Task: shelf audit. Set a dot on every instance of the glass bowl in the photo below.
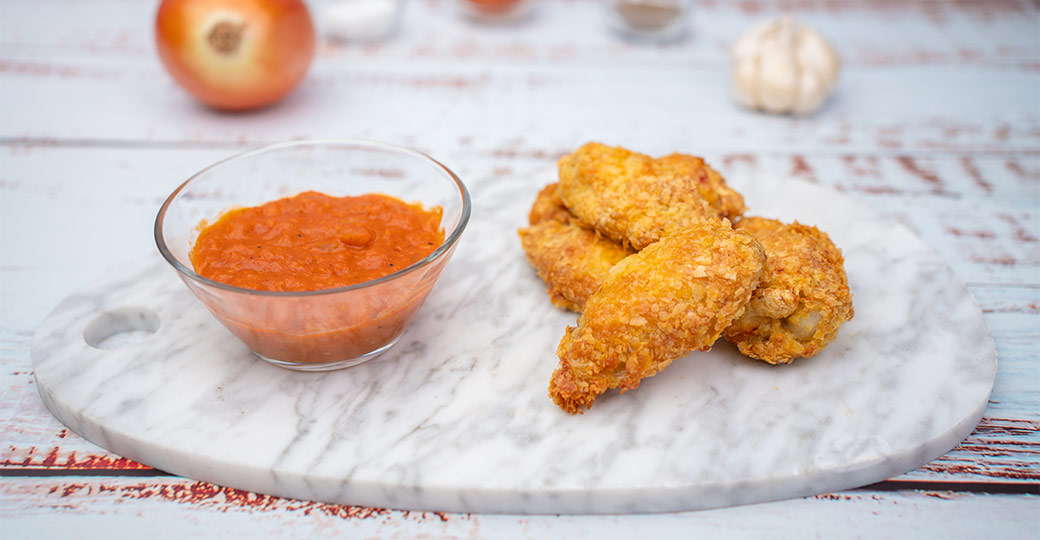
(649, 21)
(326, 329)
(495, 10)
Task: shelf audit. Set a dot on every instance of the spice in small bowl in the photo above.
(650, 20)
(360, 20)
(495, 10)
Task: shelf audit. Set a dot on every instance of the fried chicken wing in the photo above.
(548, 205)
(635, 199)
(572, 260)
(803, 298)
(675, 296)
(709, 183)
(569, 257)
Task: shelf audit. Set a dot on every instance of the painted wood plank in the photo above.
(534, 110)
(1000, 449)
(865, 33)
(135, 508)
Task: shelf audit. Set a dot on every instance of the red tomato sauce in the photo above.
(313, 241)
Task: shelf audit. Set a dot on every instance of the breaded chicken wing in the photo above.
(548, 205)
(569, 257)
(803, 298)
(635, 199)
(710, 185)
(572, 260)
(675, 296)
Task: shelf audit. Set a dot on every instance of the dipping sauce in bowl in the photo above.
(312, 241)
(308, 252)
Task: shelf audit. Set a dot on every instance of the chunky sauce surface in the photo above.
(313, 241)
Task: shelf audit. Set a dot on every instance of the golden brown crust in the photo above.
(675, 296)
(803, 299)
(710, 185)
(548, 205)
(571, 259)
(635, 199)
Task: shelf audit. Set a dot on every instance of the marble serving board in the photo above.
(456, 416)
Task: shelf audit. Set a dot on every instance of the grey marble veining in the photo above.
(456, 416)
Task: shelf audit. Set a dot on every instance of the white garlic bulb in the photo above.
(783, 66)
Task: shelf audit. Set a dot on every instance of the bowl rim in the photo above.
(447, 244)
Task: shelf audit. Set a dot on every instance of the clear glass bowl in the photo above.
(650, 21)
(495, 10)
(326, 329)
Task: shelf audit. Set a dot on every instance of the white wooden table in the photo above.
(936, 122)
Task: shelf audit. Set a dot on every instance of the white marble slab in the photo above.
(456, 417)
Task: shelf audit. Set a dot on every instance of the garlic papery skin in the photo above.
(783, 66)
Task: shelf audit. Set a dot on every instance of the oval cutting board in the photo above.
(456, 416)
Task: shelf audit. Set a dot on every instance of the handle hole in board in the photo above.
(121, 327)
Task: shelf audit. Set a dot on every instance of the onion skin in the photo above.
(235, 55)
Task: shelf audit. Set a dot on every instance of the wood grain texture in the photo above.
(131, 507)
(461, 105)
(910, 95)
(923, 33)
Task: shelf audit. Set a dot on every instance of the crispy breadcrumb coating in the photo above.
(635, 199)
(710, 185)
(803, 299)
(675, 296)
(572, 260)
(548, 205)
